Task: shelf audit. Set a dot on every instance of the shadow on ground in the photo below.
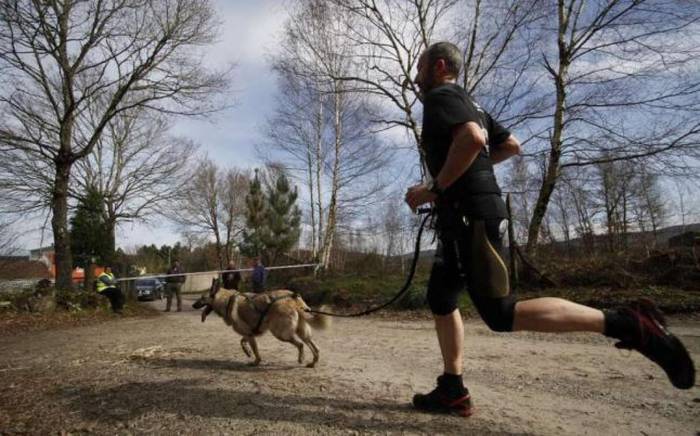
(130, 401)
(217, 364)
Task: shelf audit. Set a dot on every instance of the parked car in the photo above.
(149, 289)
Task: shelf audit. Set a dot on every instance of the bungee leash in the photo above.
(404, 289)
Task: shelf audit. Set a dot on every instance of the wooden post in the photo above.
(511, 247)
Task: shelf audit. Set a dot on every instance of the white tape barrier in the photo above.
(158, 276)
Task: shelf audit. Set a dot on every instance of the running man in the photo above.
(461, 143)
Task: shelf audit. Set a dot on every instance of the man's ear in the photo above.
(440, 66)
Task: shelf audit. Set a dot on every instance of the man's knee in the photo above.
(497, 313)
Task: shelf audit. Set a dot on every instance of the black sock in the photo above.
(454, 384)
(619, 325)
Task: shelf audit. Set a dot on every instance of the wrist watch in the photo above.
(435, 188)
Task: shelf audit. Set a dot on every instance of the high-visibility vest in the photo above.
(101, 286)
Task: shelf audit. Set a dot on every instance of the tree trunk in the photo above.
(89, 276)
(316, 229)
(333, 204)
(312, 205)
(219, 251)
(553, 167)
(59, 224)
(319, 169)
(548, 182)
(111, 224)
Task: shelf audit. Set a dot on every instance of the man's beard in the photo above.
(425, 87)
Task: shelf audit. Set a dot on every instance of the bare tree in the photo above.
(64, 57)
(519, 182)
(296, 132)
(398, 229)
(652, 209)
(615, 193)
(136, 167)
(623, 87)
(213, 206)
(387, 37)
(233, 187)
(631, 200)
(562, 215)
(685, 201)
(330, 140)
(199, 209)
(8, 239)
(8, 243)
(500, 49)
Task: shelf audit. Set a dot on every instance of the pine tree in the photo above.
(282, 220)
(89, 232)
(252, 244)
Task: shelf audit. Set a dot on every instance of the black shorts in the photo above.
(470, 254)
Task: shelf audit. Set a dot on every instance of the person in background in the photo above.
(232, 279)
(174, 285)
(259, 275)
(106, 285)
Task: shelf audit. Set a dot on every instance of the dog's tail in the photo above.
(316, 320)
(319, 321)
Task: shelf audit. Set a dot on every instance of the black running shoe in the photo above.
(444, 400)
(654, 341)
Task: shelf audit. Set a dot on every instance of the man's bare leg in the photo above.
(638, 326)
(450, 333)
(557, 315)
(450, 395)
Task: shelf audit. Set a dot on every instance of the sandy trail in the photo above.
(173, 374)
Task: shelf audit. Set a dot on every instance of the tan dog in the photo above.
(282, 312)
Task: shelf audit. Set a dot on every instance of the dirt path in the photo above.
(172, 374)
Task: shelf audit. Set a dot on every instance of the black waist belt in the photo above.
(478, 183)
(477, 206)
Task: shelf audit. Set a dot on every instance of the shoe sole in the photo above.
(457, 408)
(688, 380)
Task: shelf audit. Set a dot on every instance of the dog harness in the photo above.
(263, 313)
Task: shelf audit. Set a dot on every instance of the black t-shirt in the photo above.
(445, 107)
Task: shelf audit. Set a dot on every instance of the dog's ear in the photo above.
(214, 288)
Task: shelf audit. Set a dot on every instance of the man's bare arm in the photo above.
(506, 149)
(467, 141)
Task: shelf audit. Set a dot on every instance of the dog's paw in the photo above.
(246, 350)
(254, 363)
(311, 365)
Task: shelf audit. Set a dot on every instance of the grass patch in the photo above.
(354, 292)
(361, 292)
(669, 299)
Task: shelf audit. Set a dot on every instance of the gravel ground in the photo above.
(172, 374)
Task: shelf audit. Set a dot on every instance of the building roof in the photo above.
(13, 269)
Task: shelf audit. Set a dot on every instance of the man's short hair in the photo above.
(447, 51)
